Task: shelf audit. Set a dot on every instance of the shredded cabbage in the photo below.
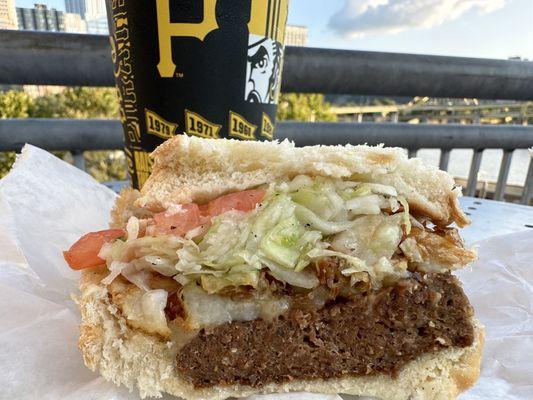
(386, 237)
(300, 221)
(238, 276)
(321, 198)
(406, 216)
(115, 269)
(141, 279)
(326, 227)
(287, 242)
(378, 188)
(364, 189)
(314, 201)
(301, 279)
(280, 243)
(132, 228)
(162, 265)
(367, 204)
(298, 182)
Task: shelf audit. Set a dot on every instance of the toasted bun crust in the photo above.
(189, 169)
(135, 359)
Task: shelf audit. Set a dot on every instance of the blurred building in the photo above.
(75, 7)
(40, 18)
(86, 8)
(97, 25)
(296, 35)
(93, 12)
(74, 23)
(8, 15)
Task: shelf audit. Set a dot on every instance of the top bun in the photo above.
(189, 169)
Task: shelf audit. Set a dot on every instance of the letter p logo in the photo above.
(167, 30)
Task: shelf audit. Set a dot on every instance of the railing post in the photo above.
(501, 184)
(444, 159)
(79, 159)
(411, 153)
(474, 170)
(528, 185)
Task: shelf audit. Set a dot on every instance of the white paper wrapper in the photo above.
(46, 204)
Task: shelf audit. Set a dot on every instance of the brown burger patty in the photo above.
(366, 335)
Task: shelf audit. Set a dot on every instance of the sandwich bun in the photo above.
(189, 169)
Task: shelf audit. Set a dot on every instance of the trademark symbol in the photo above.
(179, 75)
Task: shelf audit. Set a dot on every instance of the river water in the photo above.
(460, 159)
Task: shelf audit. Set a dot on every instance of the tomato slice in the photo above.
(204, 210)
(191, 215)
(84, 253)
(179, 222)
(241, 201)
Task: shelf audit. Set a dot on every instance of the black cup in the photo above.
(208, 68)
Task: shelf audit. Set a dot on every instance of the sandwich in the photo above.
(244, 268)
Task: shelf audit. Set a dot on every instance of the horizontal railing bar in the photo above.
(46, 58)
(376, 73)
(414, 136)
(412, 108)
(61, 134)
(99, 134)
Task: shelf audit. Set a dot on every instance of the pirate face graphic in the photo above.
(263, 70)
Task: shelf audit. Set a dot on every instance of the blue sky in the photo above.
(471, 28)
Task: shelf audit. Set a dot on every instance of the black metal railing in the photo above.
(84, 60)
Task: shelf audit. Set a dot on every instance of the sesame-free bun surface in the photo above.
(189, 169)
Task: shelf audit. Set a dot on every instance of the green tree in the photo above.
(79, 102)
(82, 103)
(304, 107)
(13, 104)
(106, 165)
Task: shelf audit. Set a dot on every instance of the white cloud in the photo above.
(358, 17)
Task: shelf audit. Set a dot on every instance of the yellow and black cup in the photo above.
(208, 68)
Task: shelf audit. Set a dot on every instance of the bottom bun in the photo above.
(133, 358)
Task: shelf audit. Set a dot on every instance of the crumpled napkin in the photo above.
(500, 287)
(46, 204)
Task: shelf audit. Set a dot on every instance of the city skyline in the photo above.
(8, 16)
(88, 9)
(41, 18)
(487, 29)
(80, 16)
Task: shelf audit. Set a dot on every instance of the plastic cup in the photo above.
(208, 68)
